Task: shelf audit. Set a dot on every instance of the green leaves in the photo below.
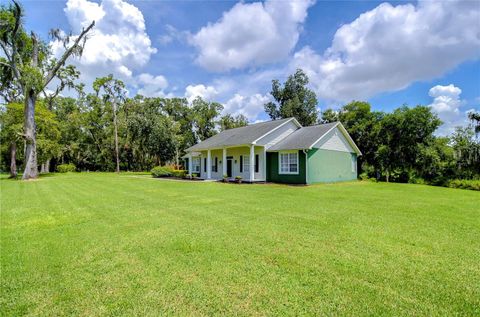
(293, 100)
(32, 78)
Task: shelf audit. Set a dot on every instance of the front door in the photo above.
(229, 167)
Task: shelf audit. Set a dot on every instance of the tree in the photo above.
(114, 93)
(11, 119)
(30, 64)
(294, 99)
(401, 137)
(229, 121)
(203, 116)
(467, 152)
(329, 115)
(475, 119)
(150, 132)
(11, 130)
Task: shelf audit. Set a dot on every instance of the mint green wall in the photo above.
(330, 166)
(272, 170)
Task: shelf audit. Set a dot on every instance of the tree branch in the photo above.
(65, 55)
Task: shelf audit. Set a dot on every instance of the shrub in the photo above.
(416, 180)
(162, 171)
(365, 177)
(179, 173)
(473, 184)
(65, 168)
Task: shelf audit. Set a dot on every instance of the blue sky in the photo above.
(388, 53)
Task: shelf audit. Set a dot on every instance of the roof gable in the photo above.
(308, 137)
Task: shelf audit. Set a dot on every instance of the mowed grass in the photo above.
(105, 244)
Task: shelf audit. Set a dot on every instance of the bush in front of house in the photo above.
(168, 171)
(473, 184)
(162, 171)
(179, 173)
(65, 168)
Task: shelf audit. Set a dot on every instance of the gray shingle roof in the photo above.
(238, 136)
(303, 138)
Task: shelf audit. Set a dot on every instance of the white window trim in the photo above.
(280, 163)
(354, 163)
(195, 166)
(246, 167)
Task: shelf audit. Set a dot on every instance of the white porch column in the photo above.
(209, 164)
(265, 164)
(252, 163)
(224, 162)
(190, 163)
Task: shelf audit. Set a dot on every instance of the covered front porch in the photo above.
(246, 161)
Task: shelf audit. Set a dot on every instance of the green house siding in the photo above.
(274, 176)
(330, 166)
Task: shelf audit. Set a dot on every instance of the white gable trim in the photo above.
(345, 134)
(291, 120)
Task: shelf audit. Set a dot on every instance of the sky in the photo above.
(386, 53)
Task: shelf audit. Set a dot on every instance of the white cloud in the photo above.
(207, 93)
(447, 104)
(118, 43)
(251, 34)
(389, 47)
(152, 86)
(250, 106)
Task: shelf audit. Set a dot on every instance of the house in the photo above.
(281, 151)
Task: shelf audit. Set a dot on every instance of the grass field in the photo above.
(105, 244)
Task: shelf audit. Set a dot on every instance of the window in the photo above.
(241, 163)
(354, 163)
(288, 162)
(256, 163)
(204, 164)
(215, 166)
(196, 164)
(246, 163)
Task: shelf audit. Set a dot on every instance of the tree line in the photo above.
(104, 130)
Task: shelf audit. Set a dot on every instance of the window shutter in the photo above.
(241, 163)
(256, 163)
(205, 164)
(216, 164)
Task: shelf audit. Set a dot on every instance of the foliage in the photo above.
(65, 168)
(475, 119)
(294, 99)
(473, 184)
(203, 115)
(268, 249)
(179, 173)
(162, 171)
(229, 121)
(48, 132)
(466, 150)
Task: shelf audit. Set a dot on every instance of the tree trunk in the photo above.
(42, 168)
(116, 136)
(13, 159)
(31, 168)
(47, 166)
(387, 176)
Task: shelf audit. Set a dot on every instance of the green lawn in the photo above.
(105, 244)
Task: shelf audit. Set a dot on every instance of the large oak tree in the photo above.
(31, 68)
